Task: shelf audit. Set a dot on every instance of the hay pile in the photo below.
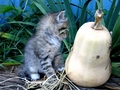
(9, 81)
(59, 82)
(55, 82)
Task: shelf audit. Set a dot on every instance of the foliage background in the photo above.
(20, 23)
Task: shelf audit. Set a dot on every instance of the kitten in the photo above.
(42, 51)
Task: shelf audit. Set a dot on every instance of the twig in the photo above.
(60, 81)
(72, 83)
(49, 78)
(13, 86)
(8, 80)
(12, 68)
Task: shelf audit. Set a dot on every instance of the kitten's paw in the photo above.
(53, 79)
(61, 69)
(35, 76)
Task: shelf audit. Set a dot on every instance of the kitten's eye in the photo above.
(62, 30)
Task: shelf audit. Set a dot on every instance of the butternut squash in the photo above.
(88, 64)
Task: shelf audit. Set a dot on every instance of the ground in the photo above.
(10, 81)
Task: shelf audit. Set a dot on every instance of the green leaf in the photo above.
(52, 5)
(116, 50)
(30, 33)
(116, 33)
(67, 45)
(115, 64)
(9, 62)
(21, 22)
(42, 6)
(99, 4)
(5, 8)
(18, 11)
(11, 37)
(7, 35)
(110, 14)
(114, 16)
(83, 13)
(2, 66)
(72, 24)
(18, 58)
(61, 6)
(116, 69)
(64, 56)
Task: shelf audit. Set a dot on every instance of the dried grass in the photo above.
(59, 82)
(8, 86)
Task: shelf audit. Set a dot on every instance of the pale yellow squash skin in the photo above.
(88, 63)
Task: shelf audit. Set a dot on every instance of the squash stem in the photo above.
(98, 20)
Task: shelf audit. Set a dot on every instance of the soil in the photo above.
(10, 81)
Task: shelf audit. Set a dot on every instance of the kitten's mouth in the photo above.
(63, 31)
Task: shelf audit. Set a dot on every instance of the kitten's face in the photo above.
(62, 24)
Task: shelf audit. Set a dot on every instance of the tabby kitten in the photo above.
(42, 51)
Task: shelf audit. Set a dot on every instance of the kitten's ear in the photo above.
(61, 17)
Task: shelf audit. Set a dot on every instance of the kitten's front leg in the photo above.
(46, 65)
